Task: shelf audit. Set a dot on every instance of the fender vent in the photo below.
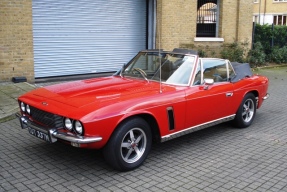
(170, 115)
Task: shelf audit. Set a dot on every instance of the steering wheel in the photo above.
(140, 71)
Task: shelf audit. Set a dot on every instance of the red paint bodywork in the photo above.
(101, 104)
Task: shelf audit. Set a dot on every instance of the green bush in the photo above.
(234, 52)
(202, 53)
(256, 56)
(273, 41)
(279, 55)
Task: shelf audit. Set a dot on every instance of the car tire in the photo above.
(129, 145)
(246, 111)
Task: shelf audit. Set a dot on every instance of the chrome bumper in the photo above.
(266, 96)
(54, 134)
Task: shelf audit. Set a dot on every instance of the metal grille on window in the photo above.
(206, 18)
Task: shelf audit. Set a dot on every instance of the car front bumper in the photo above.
(266, 96)
(52, 134)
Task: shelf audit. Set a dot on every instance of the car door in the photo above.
(210, 95)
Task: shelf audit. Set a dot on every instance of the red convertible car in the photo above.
(157, 96)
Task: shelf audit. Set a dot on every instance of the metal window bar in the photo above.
(206, 18)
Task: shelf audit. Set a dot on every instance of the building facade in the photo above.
(51, 38)
(178, 23)
(270, 12)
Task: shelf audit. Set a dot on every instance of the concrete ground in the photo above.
(9, 92)
(219, 158)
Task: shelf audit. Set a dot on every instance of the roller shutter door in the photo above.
(87, 36)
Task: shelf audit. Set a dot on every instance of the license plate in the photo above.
(39, 134)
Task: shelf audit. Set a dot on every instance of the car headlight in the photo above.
(68, 124)
(28, 110)
(23, 107)
(79, 127)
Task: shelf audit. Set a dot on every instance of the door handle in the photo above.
(229, 94)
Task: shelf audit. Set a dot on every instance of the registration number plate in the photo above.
(39, 134)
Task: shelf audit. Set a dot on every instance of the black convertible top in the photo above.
(242, 70)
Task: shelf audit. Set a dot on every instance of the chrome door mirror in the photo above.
(208, 81)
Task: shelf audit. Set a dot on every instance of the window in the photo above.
(215, 69)
(255, 1)
(164, 67)
(279, 19)
(207, 18)
(280, 0)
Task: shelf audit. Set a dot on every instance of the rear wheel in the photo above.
(129, 145)
(246, 112)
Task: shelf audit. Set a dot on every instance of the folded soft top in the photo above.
(242, 70)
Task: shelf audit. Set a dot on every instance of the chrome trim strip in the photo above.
(196, 128)
(54, 134)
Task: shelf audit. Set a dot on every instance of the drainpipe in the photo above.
(259, 9)
(264, 11)
(237, 20)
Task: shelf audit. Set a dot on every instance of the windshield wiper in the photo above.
(142, 73)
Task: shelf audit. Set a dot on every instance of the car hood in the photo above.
(101, 91)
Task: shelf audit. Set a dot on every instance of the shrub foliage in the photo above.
(273, 40)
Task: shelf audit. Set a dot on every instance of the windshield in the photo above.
(170, 68)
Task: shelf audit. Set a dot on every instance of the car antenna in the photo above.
(160, 90)
(160, 87)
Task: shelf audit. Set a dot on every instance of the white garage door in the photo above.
(86, 36)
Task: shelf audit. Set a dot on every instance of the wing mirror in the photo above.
(207, 82)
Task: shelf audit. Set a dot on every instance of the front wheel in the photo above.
(246, 112)
(129, 145)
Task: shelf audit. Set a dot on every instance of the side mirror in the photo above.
(208, 81)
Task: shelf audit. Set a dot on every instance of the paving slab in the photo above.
(9, 92)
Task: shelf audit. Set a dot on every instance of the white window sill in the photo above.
(208, 39)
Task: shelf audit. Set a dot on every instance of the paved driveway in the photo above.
(219, 158)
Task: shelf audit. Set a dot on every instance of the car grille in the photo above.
(46, 118)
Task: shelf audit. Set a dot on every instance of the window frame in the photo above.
(218, 3)
(228, 67)
(279, 1)
(283, 19)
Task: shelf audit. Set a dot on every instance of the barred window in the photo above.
(207, 18)
(280, 0)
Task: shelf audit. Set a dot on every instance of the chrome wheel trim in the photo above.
(248, 110)
(133, 145)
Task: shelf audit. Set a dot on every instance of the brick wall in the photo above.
(245, 21)
(176, 23)
(16, 40)
(269, 6)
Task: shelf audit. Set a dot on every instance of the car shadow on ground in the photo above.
(64, 158)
